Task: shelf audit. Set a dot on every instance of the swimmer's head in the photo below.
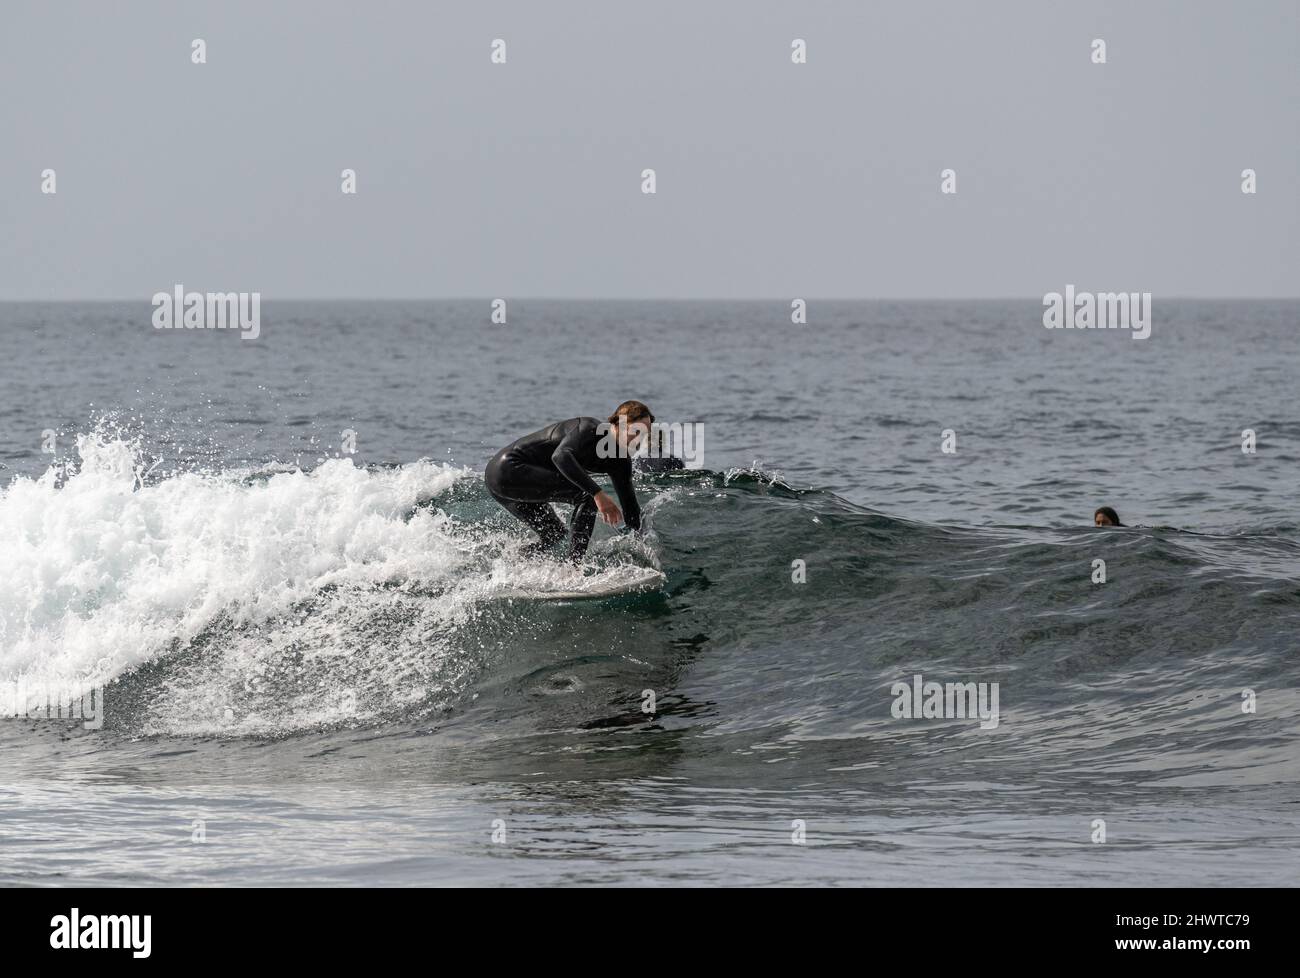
(637, 419)
(1105, 516)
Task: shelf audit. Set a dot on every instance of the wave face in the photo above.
(278, 602)
(251, 579)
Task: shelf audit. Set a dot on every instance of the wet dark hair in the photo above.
(1109, 513)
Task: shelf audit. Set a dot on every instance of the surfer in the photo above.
(1105, 516)
(552, 466)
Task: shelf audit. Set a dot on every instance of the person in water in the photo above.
(553, 465)
(1105, 516)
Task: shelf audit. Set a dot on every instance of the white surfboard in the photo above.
(609, 583)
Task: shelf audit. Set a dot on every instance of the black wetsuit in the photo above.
(551, 466)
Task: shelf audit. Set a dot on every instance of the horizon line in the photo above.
(597, 298)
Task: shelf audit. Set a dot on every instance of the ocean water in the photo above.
(310, 658)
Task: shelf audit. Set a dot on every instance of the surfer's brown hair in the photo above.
(634, 411)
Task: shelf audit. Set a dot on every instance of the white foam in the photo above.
(306, 597)
(102, 573)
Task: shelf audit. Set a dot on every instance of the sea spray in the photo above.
(105, 572)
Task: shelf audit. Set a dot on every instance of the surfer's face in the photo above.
(1101, 519)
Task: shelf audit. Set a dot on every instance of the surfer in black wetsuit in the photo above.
(552, 466)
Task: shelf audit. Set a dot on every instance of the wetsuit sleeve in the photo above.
(565, 460)
(622, 479)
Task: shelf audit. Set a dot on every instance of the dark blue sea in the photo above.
(313, 669)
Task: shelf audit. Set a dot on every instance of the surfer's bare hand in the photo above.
(609, 511)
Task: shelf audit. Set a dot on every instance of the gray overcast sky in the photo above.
(774, 179)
